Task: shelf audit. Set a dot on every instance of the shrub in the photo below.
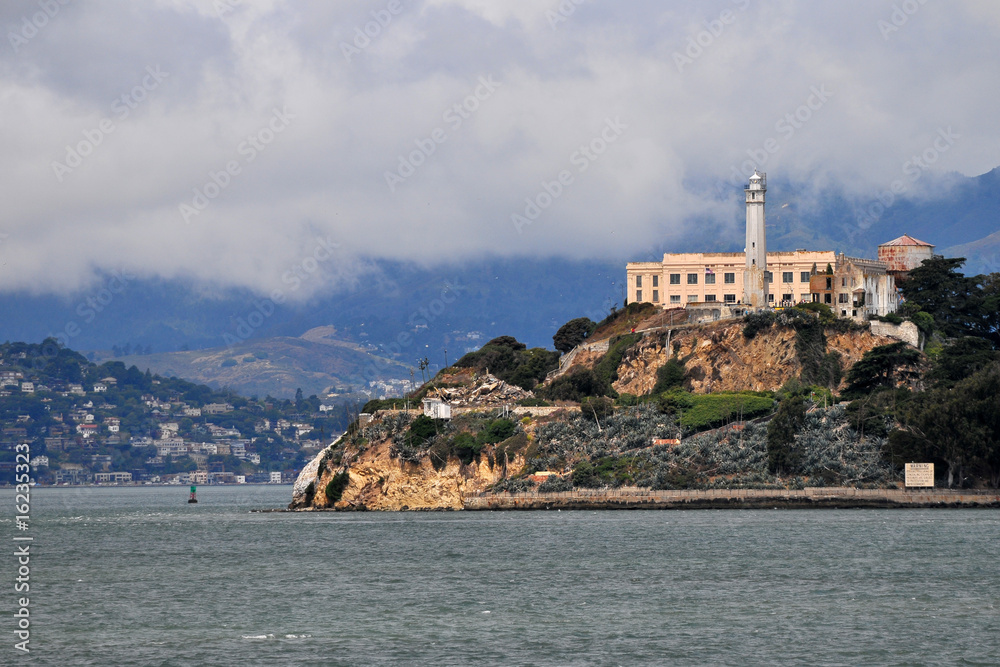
(556, 484)
(754, 323)
(574, 386)
(596, 408)
(573, 333)
(669, 376)
(606, 370)
(229, 363)
(496, 431)
(466, 447)
(336, 486)
(421, 431)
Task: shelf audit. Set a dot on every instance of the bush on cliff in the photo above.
(336, 486)
(573, 333)
(669, 376)
(511, 361)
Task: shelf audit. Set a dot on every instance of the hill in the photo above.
(314, 362)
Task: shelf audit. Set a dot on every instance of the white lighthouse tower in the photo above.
(754, 285)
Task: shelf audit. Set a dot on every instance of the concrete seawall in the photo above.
(735, 499)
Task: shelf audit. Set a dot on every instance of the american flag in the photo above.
(708, 270)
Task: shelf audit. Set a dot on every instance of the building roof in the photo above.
(906, 239)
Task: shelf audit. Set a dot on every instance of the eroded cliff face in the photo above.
(720, 358)
(379, 481)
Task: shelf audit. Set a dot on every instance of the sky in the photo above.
(236, 143)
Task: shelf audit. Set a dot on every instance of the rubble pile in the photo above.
(485, 391)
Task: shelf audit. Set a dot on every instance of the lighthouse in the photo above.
(754, 283)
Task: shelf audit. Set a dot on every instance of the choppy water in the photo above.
(137, 576)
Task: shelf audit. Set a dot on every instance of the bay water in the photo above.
(137, 576)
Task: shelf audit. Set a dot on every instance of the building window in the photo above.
(709, 298)
(675, 279)
(675, 298)
(829, 283)
(786, 276)
(770, 297)
(729, 278)
(804, 277)
(656, 281)
(709, 278)
(768, 277)
(638, 281)
(729, 298)
(826, 298)
(843, 282)
(656, 296)
(638, 296)
(788, 298)
(843, 298)
(803, 298)
(692, 279)
(692, 298)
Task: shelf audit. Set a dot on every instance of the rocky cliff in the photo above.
(720, 358)
(380, 479)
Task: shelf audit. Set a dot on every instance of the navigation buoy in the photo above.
(194, 497)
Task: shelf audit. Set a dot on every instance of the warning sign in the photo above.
(919, 475)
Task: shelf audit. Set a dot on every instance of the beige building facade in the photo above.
(697, 277)
(853, 287)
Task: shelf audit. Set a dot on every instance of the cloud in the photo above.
(820, 95)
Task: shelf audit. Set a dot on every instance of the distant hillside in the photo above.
(276, 366)
(983, 256)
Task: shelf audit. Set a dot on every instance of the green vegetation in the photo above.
(573, 333)
(882, 368)
(697, 412)
(336, 486)
(511, 361)
(669, 376)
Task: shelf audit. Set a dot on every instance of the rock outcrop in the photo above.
(380, 480)
(720, 358)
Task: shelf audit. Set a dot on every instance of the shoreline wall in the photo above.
(832, 497)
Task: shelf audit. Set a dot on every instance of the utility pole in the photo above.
(446, 357)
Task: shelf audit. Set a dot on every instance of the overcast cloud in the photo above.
(309, 119)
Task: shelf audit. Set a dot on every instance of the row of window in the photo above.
(727, 298)
(727, 278)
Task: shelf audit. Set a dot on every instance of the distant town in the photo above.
(108, 424)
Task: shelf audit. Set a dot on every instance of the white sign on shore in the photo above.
(919, 475)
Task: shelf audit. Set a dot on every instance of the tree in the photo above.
(960, 426)
(573, 333)
(961, 359)
(883, 367)
(782, 456)
(953, 300)
(669, 376)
